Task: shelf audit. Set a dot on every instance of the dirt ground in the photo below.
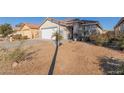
(73, 58)
(38, 62)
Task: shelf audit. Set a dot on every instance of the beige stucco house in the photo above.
(29, 30)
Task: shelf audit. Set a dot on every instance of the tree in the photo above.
(58, 37)
(19, 25)
(6, 29)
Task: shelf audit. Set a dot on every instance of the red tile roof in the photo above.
(32, 26)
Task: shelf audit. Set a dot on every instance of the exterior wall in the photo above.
(119, 29)
(76, 28)
(65, 32)
(30, 33)
(87, 30)
(48, 24)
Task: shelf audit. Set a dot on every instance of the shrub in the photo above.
(112, 66)
(99, 39)
(108, 40)
(121, 70)
(3, 53)
(17, 55)
(19, 37)
(121, 45)
(5, 29)
(24, 37)
(118, 42)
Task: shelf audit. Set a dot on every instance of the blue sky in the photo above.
(107, 22)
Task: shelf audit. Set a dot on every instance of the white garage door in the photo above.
(47, 33)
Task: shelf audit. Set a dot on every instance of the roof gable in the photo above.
(29, 25)
(48, 23)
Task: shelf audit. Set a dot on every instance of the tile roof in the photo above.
(32, 26)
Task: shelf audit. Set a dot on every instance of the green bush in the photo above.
(5, 29)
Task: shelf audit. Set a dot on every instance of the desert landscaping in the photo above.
(73, 58)
(61, 47)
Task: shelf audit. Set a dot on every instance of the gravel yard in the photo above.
(73, 58)
(7, 44)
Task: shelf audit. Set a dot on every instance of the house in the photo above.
(50, 26)
(70, 29)
(119, 28)
(28, 29)
(82, 29)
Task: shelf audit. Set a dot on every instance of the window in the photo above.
(86, 28)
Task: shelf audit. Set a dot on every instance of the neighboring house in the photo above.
(70, 29)
(119, 28)
(83, 28)
(28, 29)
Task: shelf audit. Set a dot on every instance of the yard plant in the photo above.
(19, 37)
(5, 29)
(14, 55)
(108, 40)
(57, 38)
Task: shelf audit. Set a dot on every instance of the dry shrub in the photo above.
(16, 55)
(19, 37)
(99, 39)
(3, 54)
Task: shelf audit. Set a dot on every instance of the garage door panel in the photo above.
(47, 33)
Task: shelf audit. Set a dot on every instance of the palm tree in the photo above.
(58, 37)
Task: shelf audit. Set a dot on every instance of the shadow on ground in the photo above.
(53, 62)
(30, 55)
(112, 66)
